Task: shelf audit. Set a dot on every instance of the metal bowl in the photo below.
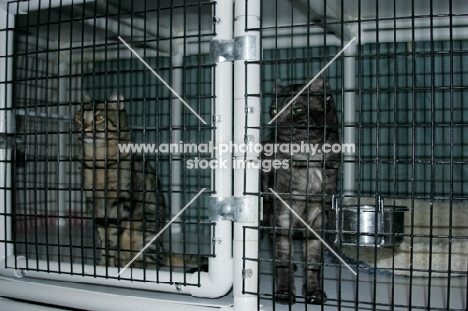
(367, 225)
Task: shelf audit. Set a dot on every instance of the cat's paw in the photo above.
(317, 297)
(285, 297)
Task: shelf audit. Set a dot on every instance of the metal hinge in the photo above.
(241, 48)
(238, 209)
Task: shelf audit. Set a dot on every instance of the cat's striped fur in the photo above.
(307, 185)
(123, 193)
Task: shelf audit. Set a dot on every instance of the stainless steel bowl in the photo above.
(367, 225)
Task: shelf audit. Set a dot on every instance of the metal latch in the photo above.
(241, 48)
(238, 209)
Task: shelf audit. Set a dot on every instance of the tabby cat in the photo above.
(123, 193)
(307, 185)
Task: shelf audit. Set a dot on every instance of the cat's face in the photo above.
(99, 123)
(307, 117)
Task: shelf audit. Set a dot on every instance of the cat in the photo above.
(310, 178)
(123, 193)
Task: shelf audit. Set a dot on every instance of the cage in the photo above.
(198, 81)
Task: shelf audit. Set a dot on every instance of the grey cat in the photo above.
(123, 193)
(307, 185)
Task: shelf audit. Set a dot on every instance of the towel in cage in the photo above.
(432, 248)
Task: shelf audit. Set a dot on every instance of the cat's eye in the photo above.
(296, 111)
(273, 111)
(78, 117)
(99, 117)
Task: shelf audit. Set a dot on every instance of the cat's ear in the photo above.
(319, 86)
(118, 99)
(86, 98)
(276, 88)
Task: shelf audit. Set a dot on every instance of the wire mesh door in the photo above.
(125, 66)
(397, 214)
(371, 94)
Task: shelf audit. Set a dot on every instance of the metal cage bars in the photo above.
(369, 31)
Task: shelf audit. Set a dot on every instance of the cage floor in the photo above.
(367, 291)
